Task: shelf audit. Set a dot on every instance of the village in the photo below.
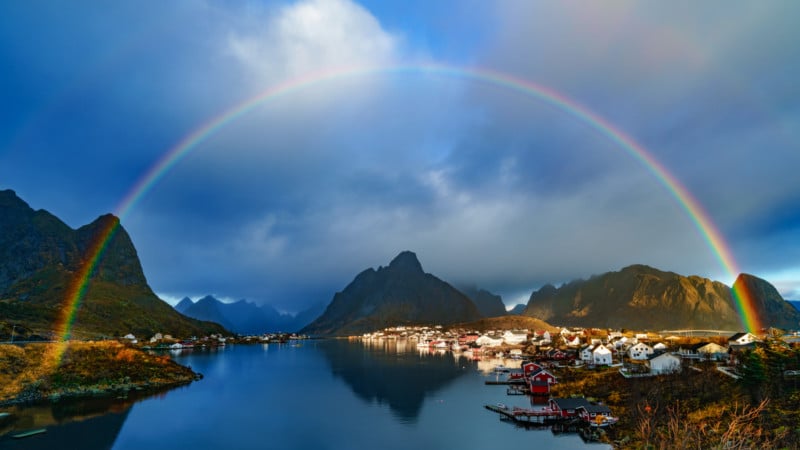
(531, 362)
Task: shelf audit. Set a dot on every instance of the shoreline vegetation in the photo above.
(28, 373)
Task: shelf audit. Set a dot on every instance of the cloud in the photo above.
(286, 203)
(309, 36)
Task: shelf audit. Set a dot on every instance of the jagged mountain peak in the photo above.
(399, 294)
(406, 261)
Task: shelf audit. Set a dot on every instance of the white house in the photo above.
(664, 363)
(660, 347)
(574, 342)
(512, 338)
(543, 337)
(486, 341)
(601, 355)
(621, 342)
(586, 353)
(741, 339)
(640, 351)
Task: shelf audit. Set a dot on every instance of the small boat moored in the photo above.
(29, 433)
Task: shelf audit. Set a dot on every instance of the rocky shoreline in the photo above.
(86, 369)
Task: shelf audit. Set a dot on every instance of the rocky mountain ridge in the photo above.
(642, 297)
(40, 260)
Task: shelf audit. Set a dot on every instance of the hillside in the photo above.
(400, 294)
(508, 323)
(40, 259)
(642, 297)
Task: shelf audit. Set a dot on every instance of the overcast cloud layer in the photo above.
(287, 203)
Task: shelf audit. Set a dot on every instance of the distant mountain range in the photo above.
(40, 257)
(399, 294)
(795, 303)
(244, 317)
(641, 297)
(488, 304)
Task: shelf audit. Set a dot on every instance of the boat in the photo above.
(28, 433)
(601, 421)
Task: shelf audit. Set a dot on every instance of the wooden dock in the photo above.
(526, 416)
(504, 382)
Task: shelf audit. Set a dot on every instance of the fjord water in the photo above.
(315, 394)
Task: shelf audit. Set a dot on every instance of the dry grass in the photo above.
(31, 372)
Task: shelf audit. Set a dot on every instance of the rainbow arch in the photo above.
(699, 218)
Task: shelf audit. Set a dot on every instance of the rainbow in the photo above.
(699, 218)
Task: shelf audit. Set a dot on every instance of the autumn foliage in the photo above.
(29, 373)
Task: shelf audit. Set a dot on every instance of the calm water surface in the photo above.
(328, 394)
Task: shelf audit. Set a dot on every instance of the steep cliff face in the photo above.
(769, 305)
(41, 260)
(399, 294)
(642, 297)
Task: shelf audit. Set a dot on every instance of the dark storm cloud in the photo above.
(288, 202)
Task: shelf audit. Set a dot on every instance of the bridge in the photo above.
(699, 333)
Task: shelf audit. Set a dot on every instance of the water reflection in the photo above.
(392, 372)
(92, 423)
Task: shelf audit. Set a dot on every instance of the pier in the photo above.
(528, 416)
(504, 382)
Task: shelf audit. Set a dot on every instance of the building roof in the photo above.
(570, 403)
(596, 408)
(737, 336)
(659, 354)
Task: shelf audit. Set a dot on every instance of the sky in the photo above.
(352, 160)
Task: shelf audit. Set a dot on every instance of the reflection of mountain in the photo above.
(96, 427)
(402, 379)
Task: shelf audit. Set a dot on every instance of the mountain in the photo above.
(769, 306)
(209, 309)
(183, 305)
(244, 317)
(795, 303)
(518, 309)
(489, 305)
(641, 297)
(399, 294)
(41, 259)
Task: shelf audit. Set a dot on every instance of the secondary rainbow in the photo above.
(174, 155)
